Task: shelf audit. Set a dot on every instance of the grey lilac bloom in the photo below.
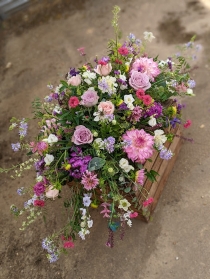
(20, 191)
(23, 128)
(15, 146)
(166, 154)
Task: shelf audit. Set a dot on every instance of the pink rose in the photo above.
(52, 193)
(103, 70)
(82, 135)
(75, 80)
(139, 80)
(89, 98)
(106, 107)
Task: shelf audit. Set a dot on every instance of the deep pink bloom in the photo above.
(140, 145)
(147, 66)
(81, 51)
(39, 203)
(133, 215)
(106, 210)
(187, 124)
(147, 100)
(136, 114)
(140, 93)
(148, 202)
(73, 102)
(89, 180)
(68, 244)
(39, 188)
(139, 178)
(123, 50)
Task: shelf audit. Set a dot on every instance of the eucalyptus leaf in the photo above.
(96, 163)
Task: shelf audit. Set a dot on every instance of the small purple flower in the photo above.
(50, 86)
(166, 154)
(48, 99)
(86, 200)
(191, 83)
(174, 121)
(23, 128)
(155, 110)
(123, 106)
(73, 72)
(15, 146)
(189, 44)
(20, 191)
(109, 144)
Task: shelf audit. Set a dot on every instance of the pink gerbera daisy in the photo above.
(140, 145)
(89, 180)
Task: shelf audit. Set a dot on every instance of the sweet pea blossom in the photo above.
(48, 159)
(128, 100)
(148, 36)
(51, 139)
(124, 164)
(152, 122)
(88, 76)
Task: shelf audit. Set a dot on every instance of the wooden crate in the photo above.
(163, 167)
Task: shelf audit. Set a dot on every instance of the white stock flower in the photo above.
(48, 159)
(152, 122)
(128, 168)
(128, 99)
(90, 223)
(159, 137)
(99, 143)
(148, 36)
(123, 163)
(88, 77)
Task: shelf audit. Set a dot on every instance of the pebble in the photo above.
(177, 258)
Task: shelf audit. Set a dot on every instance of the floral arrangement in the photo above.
(97, 129)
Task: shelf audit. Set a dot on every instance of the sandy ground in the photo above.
(41, 45)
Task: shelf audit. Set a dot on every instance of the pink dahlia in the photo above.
(139, 178)
(147, 66)
(89, 180)
(140, 145)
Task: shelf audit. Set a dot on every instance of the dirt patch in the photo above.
(173, 32)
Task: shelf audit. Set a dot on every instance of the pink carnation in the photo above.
(39, 203)
(147, 66)
(123, 50)
(89, 98)
(73, 102)
(139, 80)
(133, 214)
(187, 124)
(140, 145)
(68, 244)
(147, 100)
(140, 93)
(82, 135)
(148, 202)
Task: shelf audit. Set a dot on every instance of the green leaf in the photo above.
(96, 163)
(127, 190)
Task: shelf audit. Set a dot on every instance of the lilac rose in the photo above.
(89, 98)
(82, 135)
(139, 80)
